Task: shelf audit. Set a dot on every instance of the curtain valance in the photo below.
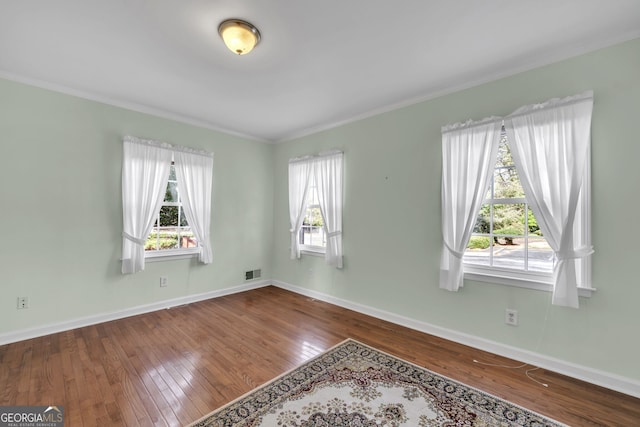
(526, 109)
(166, 146)
(315, 156)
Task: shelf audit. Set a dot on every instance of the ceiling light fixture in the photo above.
(239, 36)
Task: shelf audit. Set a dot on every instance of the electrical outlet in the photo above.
(23, 302)
(511, 317)
(164, 281)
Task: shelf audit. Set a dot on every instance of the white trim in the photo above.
(594, 376)
(442, 90)
(526, 280)
(67, 325)
(320, 155)
(306, 250)
(432, 93)
(171, 254)
(127, 105)
(526, 65)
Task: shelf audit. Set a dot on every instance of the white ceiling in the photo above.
(319, 64)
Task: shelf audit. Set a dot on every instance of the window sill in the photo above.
(170, 255)
(536, 281)
(313, 251)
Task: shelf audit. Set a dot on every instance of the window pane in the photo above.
(187, 239)
(168, 238)
(506, 183)
(168, 216)
(161, 239)
(315, 217)
(312, 231)
(478, 251)
(305, 235)
(489, 190)
(483, 221)
(540, 255)
(507, 235)
(317, 236)
(171, 195)
(504, 151)
(152, 241)
(312, 236)
(510, 255)
(183, 219)
(508, 219)
(171, 229)
(532, 224)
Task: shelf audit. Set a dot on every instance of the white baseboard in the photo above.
(67, 325)
(593, 376)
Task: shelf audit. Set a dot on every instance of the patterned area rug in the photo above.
(355, 385)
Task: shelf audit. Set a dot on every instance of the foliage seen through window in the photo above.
(171, 229)
(506, 233)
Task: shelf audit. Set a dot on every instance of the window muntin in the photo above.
(312, 234)
(171, 232)
(506, 235)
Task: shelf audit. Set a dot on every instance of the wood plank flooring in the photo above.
(174, 366)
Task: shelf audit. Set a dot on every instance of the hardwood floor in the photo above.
(174, 366)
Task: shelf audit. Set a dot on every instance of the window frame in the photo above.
(535, 279)
(313, 249)
(175, 253)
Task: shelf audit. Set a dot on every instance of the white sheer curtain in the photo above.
(550, 144)
(469, 151)
(145, 173)
(299, 173)
(328, 178)
(194, 171)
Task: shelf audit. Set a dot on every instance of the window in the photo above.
(166, 206)
(493, 235)
(506, 235)
(171, 234)
(312, 234)
(315, 206)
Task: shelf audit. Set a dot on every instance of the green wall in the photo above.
(61, 210)
(61, 216)
(391, 229)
